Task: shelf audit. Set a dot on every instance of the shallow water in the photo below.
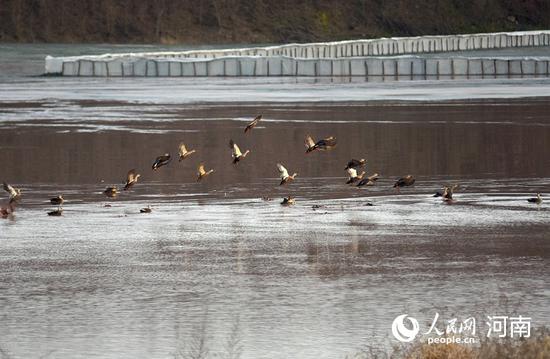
(214, 262)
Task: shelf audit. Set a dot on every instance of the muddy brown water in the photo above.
(215, 264)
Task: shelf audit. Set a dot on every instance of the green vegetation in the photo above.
(259, 21)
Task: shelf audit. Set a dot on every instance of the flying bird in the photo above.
(355, 163)
(111, 192)
(283, 173)
(236, 153)
(184, 152)
(161, 161)
(131, 179)
(288, 201)
(253, 124)
(14, 193)
(324, 144)
(201, 172)
(537, 199)
(368, 181)
(353, 176)
(404, 182)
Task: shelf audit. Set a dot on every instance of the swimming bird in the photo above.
(353, 176)
(283, 173)
(57, 201)
(253, 124)
(369, 181)
(202, 173)
(355, 163)
(57, 212)
(236, 153)
(448, 193)
(147, 209)
(184, 152)
(404, 182)
(111, 192)
(537, 199)
(288, 201)
(442, 192)
(161, 161)
(324, 144)
(15, 193)
(131, 179)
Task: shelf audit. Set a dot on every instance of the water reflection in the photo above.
(468, 141)
(214, 268)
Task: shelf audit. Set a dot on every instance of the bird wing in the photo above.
(282, 171)
(131, 176)
(352, 172)
(354, 163)
(8, 188)
(253, 124)
(236, 150)
(201, 170)
(182, 149)
(309, 142)
(330, 141)
(255, 121)
(162, 158)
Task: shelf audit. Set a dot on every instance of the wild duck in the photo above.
(201, 172)
(57, 201)
(14, 193)
(288, 201)
(283, 173)
(111, 192)
(537, 199)
(324, 144)
(236, 153)
(147, 209)
(131, 179)
(253, 124)
(161, 161)
(184, 152)
(57, 212)
(404, 182)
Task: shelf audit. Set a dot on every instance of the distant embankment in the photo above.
(374, 57)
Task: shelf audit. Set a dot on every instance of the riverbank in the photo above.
(242, 21)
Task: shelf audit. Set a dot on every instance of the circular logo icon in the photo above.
(401, 332)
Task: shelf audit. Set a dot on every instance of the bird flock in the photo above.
(353, 166)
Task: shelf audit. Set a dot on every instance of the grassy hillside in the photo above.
(260, 21)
